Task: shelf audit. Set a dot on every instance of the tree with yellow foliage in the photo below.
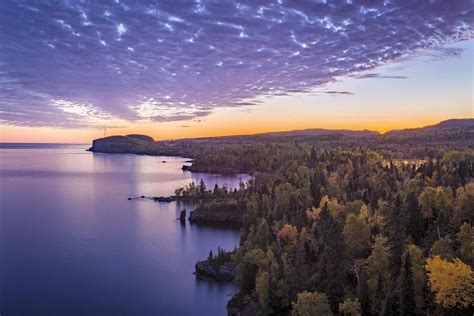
(287, 237)
(433, 200)
(311, 303)
(377, 263)
(356, 235)
(350, 307)
(452, 282)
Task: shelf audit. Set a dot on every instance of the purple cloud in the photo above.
(339, 92)
(126, 60)
(377, 75)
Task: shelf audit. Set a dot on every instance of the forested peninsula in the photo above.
(342, 223)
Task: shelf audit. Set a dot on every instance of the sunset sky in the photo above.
(207, 68)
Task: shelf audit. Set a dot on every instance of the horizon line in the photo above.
(251, 134)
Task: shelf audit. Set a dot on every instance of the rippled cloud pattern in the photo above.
(82, 63)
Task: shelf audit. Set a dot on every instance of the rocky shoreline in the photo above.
(221, 213)
(222, 217)
(207, 270)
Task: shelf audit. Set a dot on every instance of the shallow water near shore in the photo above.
(72, 244)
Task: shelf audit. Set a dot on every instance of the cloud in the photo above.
(169, 61)
(152, 110)
(339, 92)
(245, 103)
(379, 76)
(446, 52)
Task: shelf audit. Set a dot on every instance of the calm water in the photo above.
(71, 242)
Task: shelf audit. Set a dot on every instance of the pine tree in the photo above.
(211, 255)
(313, 157)
(395, 228)
(363, 294)
(332, 279)
(415, 225)
(379, 299)
(202, 187)
(317, 181)
(408, 306)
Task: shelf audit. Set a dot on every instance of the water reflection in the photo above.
(71, 242)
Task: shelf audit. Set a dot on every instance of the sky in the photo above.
(72, 71)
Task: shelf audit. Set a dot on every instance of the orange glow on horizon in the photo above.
(222, 127)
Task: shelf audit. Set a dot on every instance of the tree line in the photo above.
(350, 230)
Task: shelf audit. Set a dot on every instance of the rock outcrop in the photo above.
(216, 217)
(216, 271)
(226, 212)
(182, 216)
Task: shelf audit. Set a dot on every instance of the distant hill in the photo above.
(449, 131)
(455, 131)
(465, 124)
(321, 132)
(454, 123)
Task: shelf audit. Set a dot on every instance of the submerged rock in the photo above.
(182, 216)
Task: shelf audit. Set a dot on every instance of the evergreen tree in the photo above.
(332, 279)
(315, 186)
(363, 294)
(415, 225)
(408, 307)
(379, 299)
(202, 187)
(395, 229)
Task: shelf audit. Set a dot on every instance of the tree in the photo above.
(262, 289)
(466, 240)
(464, 204)
(247, 274)
(379, 297)
(330, 235)
(283, 294)
(202, 187)
(356, 235)
(315, 186)
(408, 306)
(377, 262)
(415, 224)
(363, 294)
(311, 303)
(350, 307)
(419, 277)
(394, 229)
(452, 282)
(433, 200)
(263, 235)
(443, 248)
(287, 236)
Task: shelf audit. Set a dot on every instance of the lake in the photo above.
(72, 244)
